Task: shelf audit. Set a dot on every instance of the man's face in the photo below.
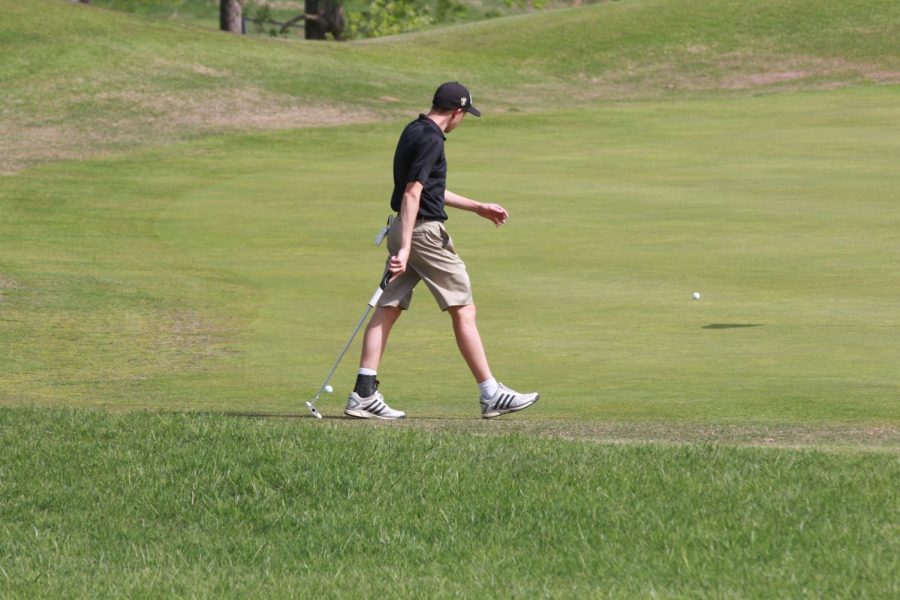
(455, 119)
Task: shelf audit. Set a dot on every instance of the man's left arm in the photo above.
(494, 213)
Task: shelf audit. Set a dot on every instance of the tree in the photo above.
(230, 16)
(324, 19)
(320, 20)
(389, 17)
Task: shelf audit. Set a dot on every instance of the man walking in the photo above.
(420, 249)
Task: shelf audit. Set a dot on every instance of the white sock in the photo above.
(363, 371)
(488, 388)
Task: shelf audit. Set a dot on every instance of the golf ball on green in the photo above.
(328, 389)
(696, 295)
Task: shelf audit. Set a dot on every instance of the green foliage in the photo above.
(367, 19)
(527, 4)
(259, 14)
(389, 17)
(447, 11)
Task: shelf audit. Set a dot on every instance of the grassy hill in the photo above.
(83, 80)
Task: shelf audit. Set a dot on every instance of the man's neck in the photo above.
(441, 120)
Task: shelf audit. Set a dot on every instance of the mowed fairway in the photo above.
(167, 308)
(227, 274)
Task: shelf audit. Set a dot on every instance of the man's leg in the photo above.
(469, 341)
(376, 336)
(496, 399)
(366, 401)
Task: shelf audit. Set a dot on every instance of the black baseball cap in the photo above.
(452, 95)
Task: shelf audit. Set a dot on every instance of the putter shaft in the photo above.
(343, 352)
(385, 278)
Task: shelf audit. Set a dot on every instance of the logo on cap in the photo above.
(453, 95)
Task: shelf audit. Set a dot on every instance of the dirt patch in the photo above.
(697, 68)
(760, 79)
(244, 109)
(883, 76)
(131, 118)
(206, 71)
(829, 438)
(876, 438)
(21, 146)
(187, 339)
(8, 283)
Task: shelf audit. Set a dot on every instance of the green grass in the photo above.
(154, 256)
(144, 81)
(96, 505)
(226, 274)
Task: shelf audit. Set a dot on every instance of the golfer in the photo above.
(420, 249)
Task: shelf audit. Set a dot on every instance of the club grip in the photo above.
(385, 279)
(375, 297)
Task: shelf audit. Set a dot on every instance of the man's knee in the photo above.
(385, 315)
(465, 312)
(392, 312)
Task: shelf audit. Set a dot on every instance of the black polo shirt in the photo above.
(420, 157)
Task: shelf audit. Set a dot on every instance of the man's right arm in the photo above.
(409, 212)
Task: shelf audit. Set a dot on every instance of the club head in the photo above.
(313, 410)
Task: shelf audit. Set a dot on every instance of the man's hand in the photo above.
(494, 213)
(397, 263)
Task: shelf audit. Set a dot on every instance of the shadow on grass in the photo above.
(731, 325)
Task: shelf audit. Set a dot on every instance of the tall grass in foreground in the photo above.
(99, 505)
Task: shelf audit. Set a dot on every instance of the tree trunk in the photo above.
(313, 31)
(230, 17)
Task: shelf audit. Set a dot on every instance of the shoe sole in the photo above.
(497, 413)
(361, 414)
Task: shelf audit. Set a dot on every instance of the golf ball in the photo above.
(696, 295)
(328, 389)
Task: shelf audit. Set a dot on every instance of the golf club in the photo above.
(372, 302)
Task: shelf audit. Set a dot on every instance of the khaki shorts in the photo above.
(432, 259)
